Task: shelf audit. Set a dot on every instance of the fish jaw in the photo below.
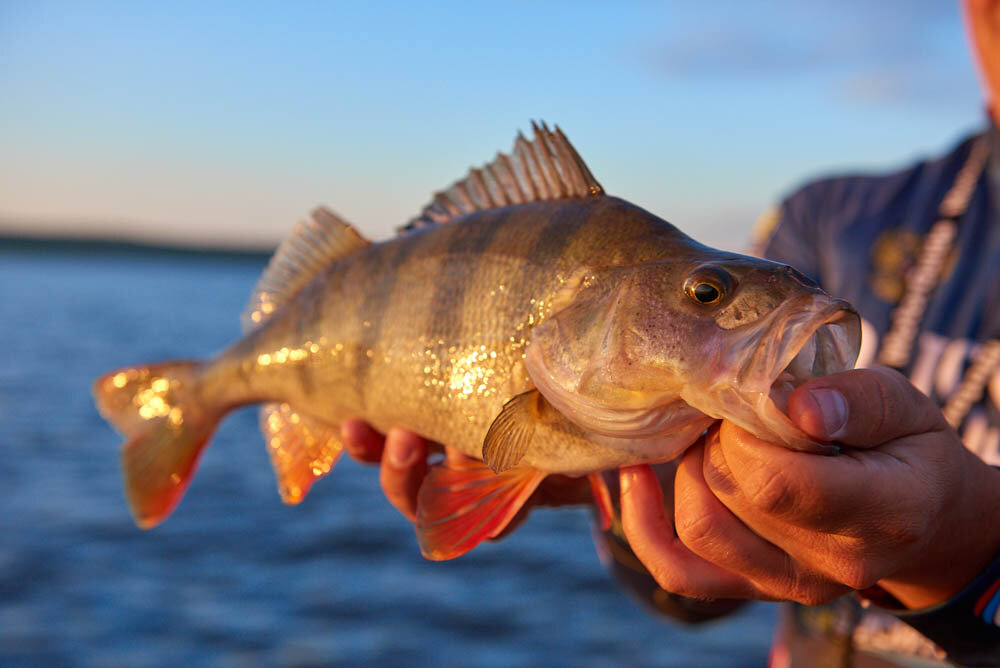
(591, 359)
(808, 337)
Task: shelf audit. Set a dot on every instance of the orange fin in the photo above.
(302, 448)
(460, 504)
(158, 466)
(160, 409)
(602, 498)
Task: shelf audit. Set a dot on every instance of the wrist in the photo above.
(966, 626)
(966, 541)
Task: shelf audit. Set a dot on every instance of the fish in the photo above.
(525, 318)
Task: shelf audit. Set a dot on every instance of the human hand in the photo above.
(403, 459)
(904, 505)
(402, 456)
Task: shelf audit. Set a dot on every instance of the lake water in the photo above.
(234, 577)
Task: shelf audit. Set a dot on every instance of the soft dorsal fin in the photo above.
(311, 247)
(545, 168)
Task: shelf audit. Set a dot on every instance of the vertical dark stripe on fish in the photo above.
(566, 223)
(560, 226)
(382, 271)
(468, 241)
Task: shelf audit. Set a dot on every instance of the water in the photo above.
(234, 577)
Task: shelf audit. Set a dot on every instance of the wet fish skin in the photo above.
(438, 317)
(442, 318)
(552, 336)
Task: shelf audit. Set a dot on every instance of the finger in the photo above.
(404, 466)
(829, 540)
(777, 558)
(712, 532)
(453, 456)
(361, 441)
(767, 484)
(651, 536)
(863, 408)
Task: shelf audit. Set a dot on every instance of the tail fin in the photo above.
(158, 409)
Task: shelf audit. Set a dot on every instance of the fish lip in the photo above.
(784, 334)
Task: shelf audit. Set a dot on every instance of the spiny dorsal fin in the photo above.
(545, 168)
(311, 247)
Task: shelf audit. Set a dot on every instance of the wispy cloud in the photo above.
(893, 52)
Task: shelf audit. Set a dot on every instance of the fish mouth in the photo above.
(807, 337)
(826, 345)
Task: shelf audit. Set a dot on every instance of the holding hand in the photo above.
(402, 456)
(904, 505)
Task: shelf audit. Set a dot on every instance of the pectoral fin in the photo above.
(462, 503)
(511, 432)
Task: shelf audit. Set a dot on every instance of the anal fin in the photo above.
(302, 448)
(462, 503)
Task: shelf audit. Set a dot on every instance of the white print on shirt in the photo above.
(937, 371)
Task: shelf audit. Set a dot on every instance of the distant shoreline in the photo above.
(41, 244)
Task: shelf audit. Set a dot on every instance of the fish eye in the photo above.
(706, 293)
(708, 285)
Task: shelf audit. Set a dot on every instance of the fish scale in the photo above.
(561, 334)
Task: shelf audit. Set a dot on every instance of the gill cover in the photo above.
(591, 359)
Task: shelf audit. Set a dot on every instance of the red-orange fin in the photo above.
(602, 497)
(158, 465)
(303, 448)
(160, 409)
(461, 504)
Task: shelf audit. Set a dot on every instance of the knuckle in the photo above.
(770, 491)
(697, 530)
(670, 580)
(809, 588)
(908, 531)
(817, 594)
(857, 574)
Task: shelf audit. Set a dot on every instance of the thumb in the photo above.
(864, 408)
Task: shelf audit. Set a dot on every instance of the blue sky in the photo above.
(222, 123)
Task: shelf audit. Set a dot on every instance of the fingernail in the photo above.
(402, 453)
(832, 409)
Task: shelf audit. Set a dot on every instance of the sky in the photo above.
(222, 123)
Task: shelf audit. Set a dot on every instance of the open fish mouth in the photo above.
(830, 348)
(808, 337)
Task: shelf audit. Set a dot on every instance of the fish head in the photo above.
(646, 350)
(773, 330)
